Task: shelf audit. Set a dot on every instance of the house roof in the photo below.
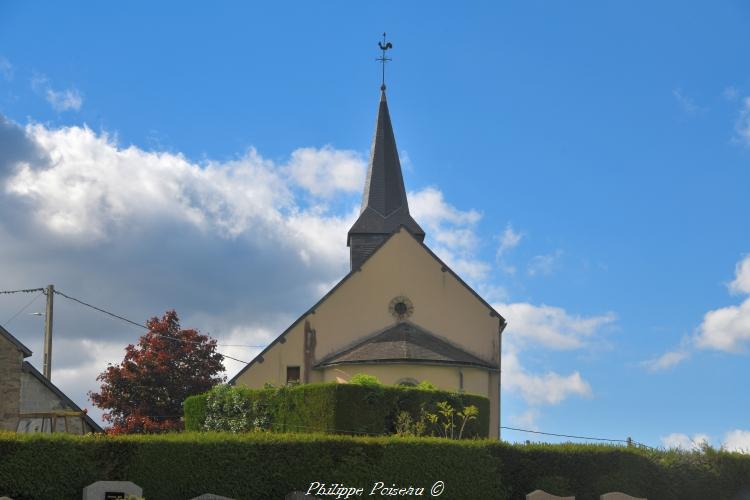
(384, 203)
(444, 267)
(29, 368)
(6, 334)
(404, 342)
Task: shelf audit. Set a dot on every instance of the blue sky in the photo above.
(609, 142)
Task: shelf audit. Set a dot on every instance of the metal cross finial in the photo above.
(384, 45)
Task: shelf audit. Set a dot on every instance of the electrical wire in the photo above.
(28, 304)
(575, 437)
(26, 290)
(117, 316)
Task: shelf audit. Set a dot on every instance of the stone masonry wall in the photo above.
(11, 360)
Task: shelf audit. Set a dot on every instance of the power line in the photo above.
(117, 316)
(26, 290)
(7, 322)
(576, 437)
(57, 292)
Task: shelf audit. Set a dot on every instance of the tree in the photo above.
(145, 392)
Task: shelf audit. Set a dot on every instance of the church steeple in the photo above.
(384, 204)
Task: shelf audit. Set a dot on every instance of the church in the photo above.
(400, 314)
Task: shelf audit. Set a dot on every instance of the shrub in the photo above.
(426, 385)
(265, 465)
(332, 408)
(364, 379)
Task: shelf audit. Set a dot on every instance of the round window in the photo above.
(401, 307)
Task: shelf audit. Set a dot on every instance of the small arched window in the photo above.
(408, 382)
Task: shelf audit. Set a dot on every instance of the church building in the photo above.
(400, 314)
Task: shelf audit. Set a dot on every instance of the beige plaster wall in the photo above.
(476, 380)
(359, 307)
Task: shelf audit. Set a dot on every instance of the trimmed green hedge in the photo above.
(264, 465)
(333, 408)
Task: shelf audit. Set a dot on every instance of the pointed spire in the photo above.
(384, 204)
(384, 186)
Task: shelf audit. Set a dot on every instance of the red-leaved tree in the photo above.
(144, 393)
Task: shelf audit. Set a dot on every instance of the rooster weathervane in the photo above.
(384, 45)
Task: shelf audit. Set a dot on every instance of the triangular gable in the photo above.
(443, 265)
(19, 345)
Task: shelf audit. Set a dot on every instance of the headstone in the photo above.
(543, 495)
(616, 495)
(211, 496)
(110, 490)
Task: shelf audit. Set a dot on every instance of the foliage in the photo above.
(332, 408)
(426, 385)
(144, 393)
(185, 465)
(364, 379)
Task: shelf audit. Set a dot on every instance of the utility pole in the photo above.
(50, 292)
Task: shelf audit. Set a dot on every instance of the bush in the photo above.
(331, 408)
(364, 379)
(265, 465)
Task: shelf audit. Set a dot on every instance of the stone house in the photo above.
(29, 402)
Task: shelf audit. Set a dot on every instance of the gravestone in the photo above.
(616, 495)
(543, 495)
(211, 496)
(110, 490)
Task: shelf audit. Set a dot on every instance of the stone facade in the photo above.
(29, 402)
(11, 359)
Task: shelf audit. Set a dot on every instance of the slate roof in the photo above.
(405, 342)
(25, 350)
(384, 204)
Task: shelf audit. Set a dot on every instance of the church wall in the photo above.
(360, 307)
(476, 380)
(275, 361)
(402, 266)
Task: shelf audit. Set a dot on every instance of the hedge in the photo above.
(332, 408)
(267, 465)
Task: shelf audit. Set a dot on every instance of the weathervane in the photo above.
(384, 45)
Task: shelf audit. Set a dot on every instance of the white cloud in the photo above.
(737, 440)
(684, 442)
(730, 93)
(238, 248)
(742, 126)
(725, 329)
(451, 232)
(60, 100)
(728, 328)
(667, 360)
(65, 100)
(741, 282)
(6, 69)
(686, 103)
(549, 326)
(324, 172)
(539, 327)
(544, 264)
(508, 240)
(526, 420)
(549, 388)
